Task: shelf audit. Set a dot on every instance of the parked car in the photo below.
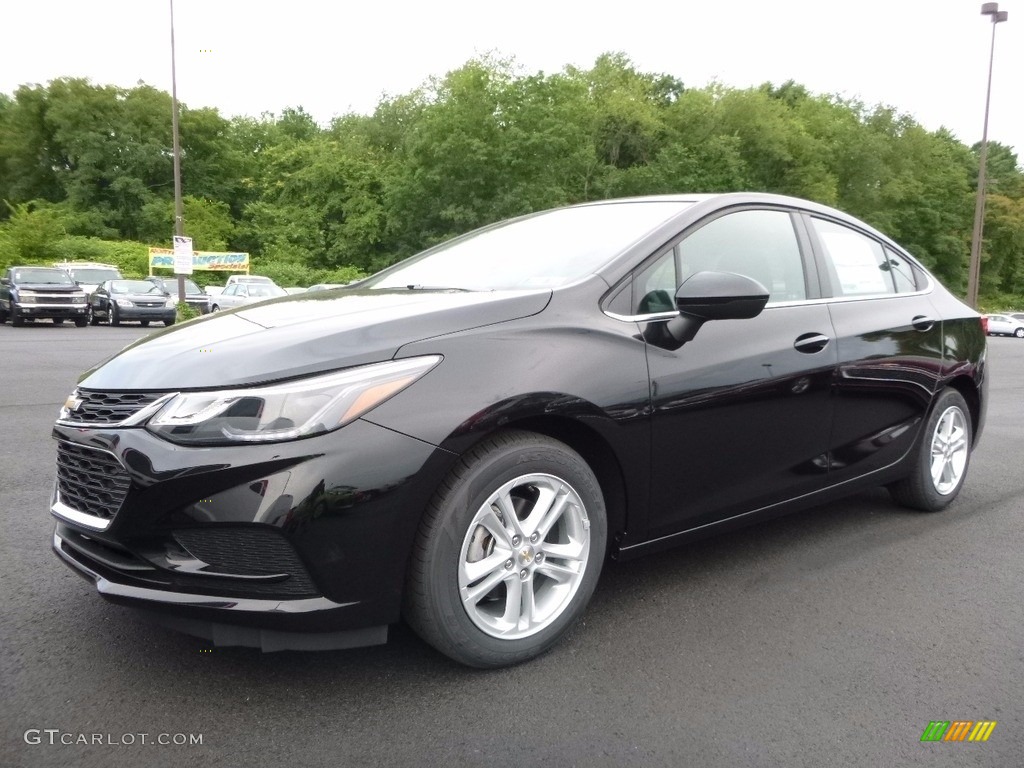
(195, 297)
(1005, 325)
(1017, 316)
(240, 294)
(251, 279)
(89, 274)
(463, 438)
(118, 301)
(40, 293)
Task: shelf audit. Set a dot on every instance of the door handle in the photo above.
(811, 342)
(922, 322)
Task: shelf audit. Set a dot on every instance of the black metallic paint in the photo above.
(737, 424)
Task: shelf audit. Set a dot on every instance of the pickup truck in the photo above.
(41, 293)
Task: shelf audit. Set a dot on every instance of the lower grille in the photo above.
(90, 481)
(249, 552)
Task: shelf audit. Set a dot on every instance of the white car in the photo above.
(240, 294)
(89, 274)
(251, 279)
(1005, 325)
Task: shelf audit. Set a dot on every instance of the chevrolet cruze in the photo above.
(463, 439)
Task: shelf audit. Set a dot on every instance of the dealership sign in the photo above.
(163, 258)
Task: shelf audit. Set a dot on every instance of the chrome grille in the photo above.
(110, 407)
(90, 481)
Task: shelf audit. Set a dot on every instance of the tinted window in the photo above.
(902, 271)
(856, 263)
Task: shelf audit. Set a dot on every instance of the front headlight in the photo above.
(77, 298)
(27, 298)
(170, 303)
(285, 411)
(124, 303)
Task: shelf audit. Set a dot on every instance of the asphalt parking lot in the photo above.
(828, 638)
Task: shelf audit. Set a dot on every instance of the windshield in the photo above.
(134, 286)
(96, 276)
(542, 251)
(265, 291)
(171, 286)
(51, 276)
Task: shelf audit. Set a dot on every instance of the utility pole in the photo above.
(974, 269)
(179, 211)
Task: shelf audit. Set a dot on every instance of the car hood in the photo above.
(48, 287)
(301, 335)
(140, 296)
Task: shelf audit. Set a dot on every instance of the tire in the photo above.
(58, 321)
(1019, 333)
(215, 308)
(144, 323)
(17, 321)
(3, 315)
(81, 322)
(943, 457)
(112, 318)
(168, 322)
(93, 320)
(528, 590)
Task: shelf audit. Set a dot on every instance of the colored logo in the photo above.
(958, 730)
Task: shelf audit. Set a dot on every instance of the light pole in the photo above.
(179, 213)
(974, 271)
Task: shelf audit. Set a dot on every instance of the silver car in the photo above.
(240, 294)
(1006, 325)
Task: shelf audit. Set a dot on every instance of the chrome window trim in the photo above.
(654, 317)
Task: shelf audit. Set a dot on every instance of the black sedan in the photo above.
(464, 438)
(195, 296)
(116, 301)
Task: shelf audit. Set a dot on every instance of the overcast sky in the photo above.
(928, 58)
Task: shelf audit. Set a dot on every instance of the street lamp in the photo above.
(974, 271)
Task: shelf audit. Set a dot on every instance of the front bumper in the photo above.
(146, 313)
(51, 311)
(286, 545)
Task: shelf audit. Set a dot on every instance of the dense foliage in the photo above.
(85, 170)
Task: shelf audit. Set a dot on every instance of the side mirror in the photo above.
(5, 281)
(712, 296)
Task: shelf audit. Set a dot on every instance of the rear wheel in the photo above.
(508, 553)
(144, 323)
(58, 321)
(943, 457)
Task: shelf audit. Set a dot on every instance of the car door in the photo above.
(742, 413)
(889, 343)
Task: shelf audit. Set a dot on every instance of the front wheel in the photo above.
(943, 457)
(508, 553)
(1019, 333)
(112, 316)
(17, 321)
